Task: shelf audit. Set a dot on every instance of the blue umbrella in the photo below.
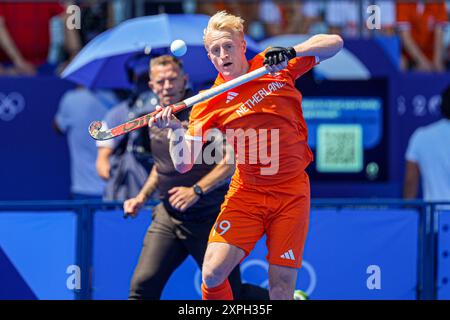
(102, 62)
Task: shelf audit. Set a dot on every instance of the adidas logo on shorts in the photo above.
(288, 255)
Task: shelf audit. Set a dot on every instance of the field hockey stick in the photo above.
(95, 128)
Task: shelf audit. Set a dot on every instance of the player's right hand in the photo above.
(276, 58)
(132, 206)
(277, 55)
(164, 119)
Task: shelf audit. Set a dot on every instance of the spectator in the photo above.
(25, 35)
(344, 17)
(271, 15)
(117, 11)
(387, 16)
(96, 16)
(421, 32)
(77, 109)
(258, 15)
(125, 162)
(211, 7)
(158, 7)
(428, 157)
(294, 17)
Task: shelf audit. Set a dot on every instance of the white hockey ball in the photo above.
(178, 48)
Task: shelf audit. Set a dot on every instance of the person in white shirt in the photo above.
(77, 109)
(428, 158)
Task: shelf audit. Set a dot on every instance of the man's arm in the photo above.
(411, 183)
(224, 169)
(438, 59)
(181, 198)
(72, 39)
(9, 47)
(103, 165)
(132, 206)
(150, 185)
(323, 46)
(411, 47)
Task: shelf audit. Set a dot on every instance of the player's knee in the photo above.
(213, 276)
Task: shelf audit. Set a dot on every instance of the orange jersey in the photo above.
(267, 111)
(421, 20)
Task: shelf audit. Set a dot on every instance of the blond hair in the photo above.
(223, 21)
(165, 60)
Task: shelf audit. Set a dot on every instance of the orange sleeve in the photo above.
(200, 120)
(300, 65)
(259, 58)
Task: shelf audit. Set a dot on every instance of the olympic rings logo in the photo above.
(11, 105)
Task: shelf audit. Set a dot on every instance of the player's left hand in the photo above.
(277, 58)
(182, 198)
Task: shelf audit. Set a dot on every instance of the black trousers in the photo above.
(167, 244)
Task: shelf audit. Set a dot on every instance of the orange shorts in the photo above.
(281, 212)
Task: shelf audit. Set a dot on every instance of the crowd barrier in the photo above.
(356, 249)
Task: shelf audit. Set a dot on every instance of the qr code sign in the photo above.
(339, 148)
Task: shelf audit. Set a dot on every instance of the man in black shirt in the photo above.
(190, 202)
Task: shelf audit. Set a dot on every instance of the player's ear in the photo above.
(150, 84)
(244, 46)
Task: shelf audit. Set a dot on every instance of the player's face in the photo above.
(168, 83)
(227, 52)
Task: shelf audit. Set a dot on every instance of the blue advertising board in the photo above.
(349, 254)
(34, 159)
(443, 252)
(38, 255)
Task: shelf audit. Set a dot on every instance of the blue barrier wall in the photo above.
(345, 248)
(116, 247)
(341, 247)
(80, 250)
(37, 250)
(443, 277)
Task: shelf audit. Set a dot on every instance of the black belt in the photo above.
(193, 216)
